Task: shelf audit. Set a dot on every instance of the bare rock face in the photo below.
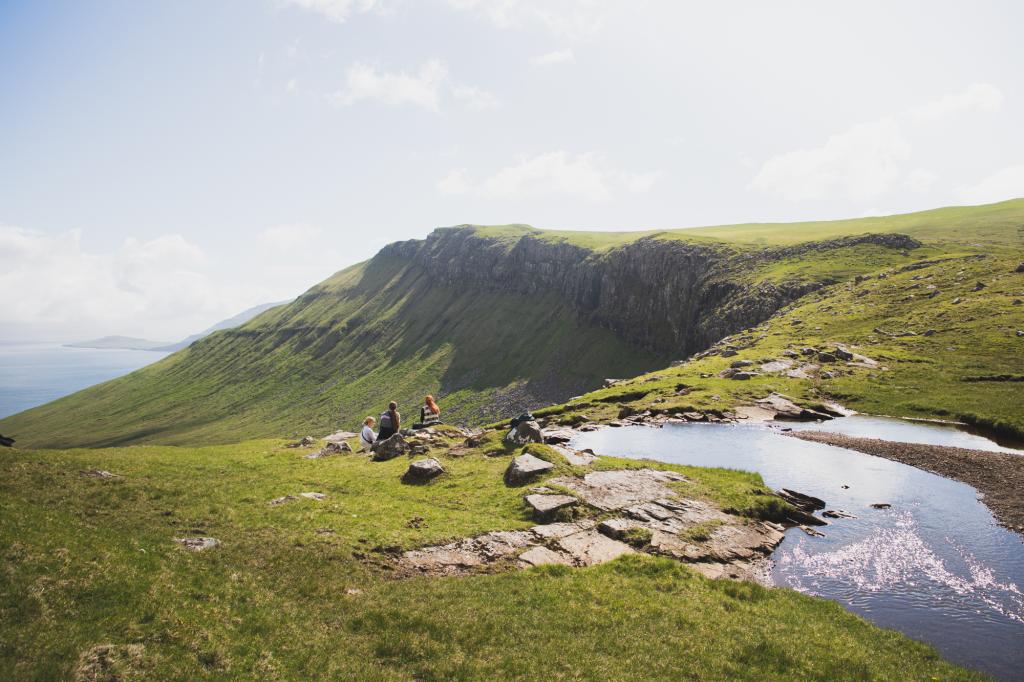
(526, 432)
(423, 470)
(786, 410)
(546, 506)
(389, 448)
(98, 473)
(526, 467)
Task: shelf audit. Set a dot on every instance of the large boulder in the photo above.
(526, 467)
(423, 470)
(389, 448)
(526, 432)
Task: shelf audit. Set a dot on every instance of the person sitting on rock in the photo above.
(430, 413)
(367, 437)
(390, 422)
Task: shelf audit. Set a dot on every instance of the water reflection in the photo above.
(935, 566)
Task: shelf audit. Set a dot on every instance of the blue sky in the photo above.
(167, 164)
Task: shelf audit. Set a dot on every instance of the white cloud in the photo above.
(563, 56)
(475, 98)
(290, 237)
(572, 19)
(860, 163)
(422, 89)
(425, 88)
(337, 11)
(52, 287)
(868, 160)
(1007, 183)
(584, 176)
(980, 97)
(920, 180)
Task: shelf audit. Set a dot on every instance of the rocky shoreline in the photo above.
(998, 476)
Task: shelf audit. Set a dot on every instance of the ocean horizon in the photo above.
(35, 373)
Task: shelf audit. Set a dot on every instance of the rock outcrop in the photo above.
(389, 448)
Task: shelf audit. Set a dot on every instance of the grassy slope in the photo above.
(924, 375)
(371, 333)
(88, 562)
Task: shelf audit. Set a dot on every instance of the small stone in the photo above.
(524, 467)
(743, 376)
(422, 471)
(843, 354)
(98, 473)
(727, 353)
(277, 501)
(978, 286)
(197, 544)
(741, 363)
(881, 505)
(1019, 268)
(930, 332)
(826, 357)
(312, 496)
(956, 301)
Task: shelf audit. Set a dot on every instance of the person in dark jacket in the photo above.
(390, 422)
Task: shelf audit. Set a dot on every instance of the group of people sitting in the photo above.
(391, 422)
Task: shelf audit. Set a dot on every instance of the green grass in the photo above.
(987, 225)
(89, 562)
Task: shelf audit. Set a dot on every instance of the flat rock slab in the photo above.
(559, 436)
(779, 365)
(542, 556)
(577, 458)
(339, 436)
(312, 496)
(545, 506)
(197, 544)
(611, 490)
(591, 547)
(525, 467)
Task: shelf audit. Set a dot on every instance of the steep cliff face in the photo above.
(672, 298)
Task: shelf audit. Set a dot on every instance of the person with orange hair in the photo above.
(430, 413)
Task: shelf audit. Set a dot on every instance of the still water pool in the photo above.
(935, 566)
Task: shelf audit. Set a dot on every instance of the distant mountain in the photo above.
(130, 343)
(230, 323)
(119, 343)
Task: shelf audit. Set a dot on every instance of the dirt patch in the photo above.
(106, 662)
(999, 476)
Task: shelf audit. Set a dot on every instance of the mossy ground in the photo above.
(307, 589)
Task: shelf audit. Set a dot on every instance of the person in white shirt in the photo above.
(366, 436)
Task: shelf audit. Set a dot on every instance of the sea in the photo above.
(32, 374)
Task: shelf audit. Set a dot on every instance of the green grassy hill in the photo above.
(94, 587)
(495, 319)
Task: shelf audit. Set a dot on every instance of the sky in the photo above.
(167, 164)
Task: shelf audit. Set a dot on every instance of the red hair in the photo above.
(432, 405)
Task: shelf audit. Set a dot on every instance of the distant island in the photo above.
(131, 343)
(119, 343)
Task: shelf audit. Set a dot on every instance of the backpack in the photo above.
(385, 419)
